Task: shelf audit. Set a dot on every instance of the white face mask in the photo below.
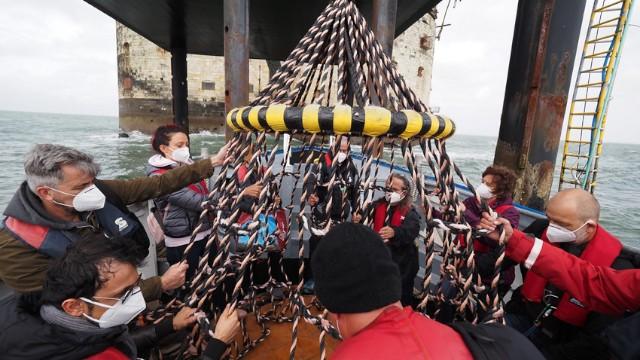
(181, 155)
(89, 199)
(484, 191)
(559, 234)
(341, 157)
(120, 313)
(393, 197)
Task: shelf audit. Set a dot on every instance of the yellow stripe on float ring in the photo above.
(230, 123)
(377, 121)
(435, 124)
(239, 118)
(448, 126)
(414, 124)
(310, 118)
(275, 117)
(341, 119)
(253, 118)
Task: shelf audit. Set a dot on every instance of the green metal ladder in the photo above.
(592, 92)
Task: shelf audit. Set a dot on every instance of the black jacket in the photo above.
(346, 184)
(24, 335)
(403, 247)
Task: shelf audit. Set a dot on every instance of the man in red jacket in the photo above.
(600, 288)
(358, 282)
(560, 324)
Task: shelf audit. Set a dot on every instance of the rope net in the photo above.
(339, 83)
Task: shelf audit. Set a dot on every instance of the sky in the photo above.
(60, 56)
(472, 59)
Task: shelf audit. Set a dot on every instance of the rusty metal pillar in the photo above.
(236, 56)
(383, 23)
(542, 54)
(179, 87)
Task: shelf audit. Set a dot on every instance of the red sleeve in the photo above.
(601, 288)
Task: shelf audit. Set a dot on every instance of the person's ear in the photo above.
(166, 150)
(592, 226)
(75, 307)
(44, 193)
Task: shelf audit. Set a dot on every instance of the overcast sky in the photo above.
(60, 56)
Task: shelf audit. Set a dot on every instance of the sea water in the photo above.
(123, 158)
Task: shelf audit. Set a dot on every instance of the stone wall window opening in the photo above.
(420, 71)
(425, 42)
(208, 85)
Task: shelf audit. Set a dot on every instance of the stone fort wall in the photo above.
(144, 78)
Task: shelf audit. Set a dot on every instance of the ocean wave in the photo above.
(207, 133)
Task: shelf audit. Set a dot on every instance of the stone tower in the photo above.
(144, 78)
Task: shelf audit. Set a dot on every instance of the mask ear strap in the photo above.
(105, 306)
(60, 191)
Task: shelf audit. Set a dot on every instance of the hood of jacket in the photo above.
(27, 206)
(157, 162)
(25, 335)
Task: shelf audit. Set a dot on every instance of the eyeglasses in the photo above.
(131, 290)
(394, 190)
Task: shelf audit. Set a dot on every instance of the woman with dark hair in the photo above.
(398, 223)
(178, 213)
(496, 189)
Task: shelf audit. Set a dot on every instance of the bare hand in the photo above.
(184, 318)
(387, 233)
(356, 217)
(219, 158)
(490, 224)
(252, 190)
(174, 277)
(228, 325)
(313, 200)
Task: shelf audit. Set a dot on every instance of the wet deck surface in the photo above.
(277, 344)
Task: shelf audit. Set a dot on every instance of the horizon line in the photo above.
(116, 116)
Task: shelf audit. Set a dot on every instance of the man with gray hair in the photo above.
(62, 202)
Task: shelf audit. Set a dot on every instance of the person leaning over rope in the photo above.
(62, 202)
(178, 212)
(496, 189)
(343, 197)
(558, 322)
(398, 223)
(600, 288)
(90, 296)
(360, 285)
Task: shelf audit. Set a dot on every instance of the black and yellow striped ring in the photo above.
(341, 119)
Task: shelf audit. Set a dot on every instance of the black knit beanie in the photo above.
(353, 270)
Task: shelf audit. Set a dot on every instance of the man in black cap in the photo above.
(360, 285)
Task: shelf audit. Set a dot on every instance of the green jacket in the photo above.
(23, 268)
